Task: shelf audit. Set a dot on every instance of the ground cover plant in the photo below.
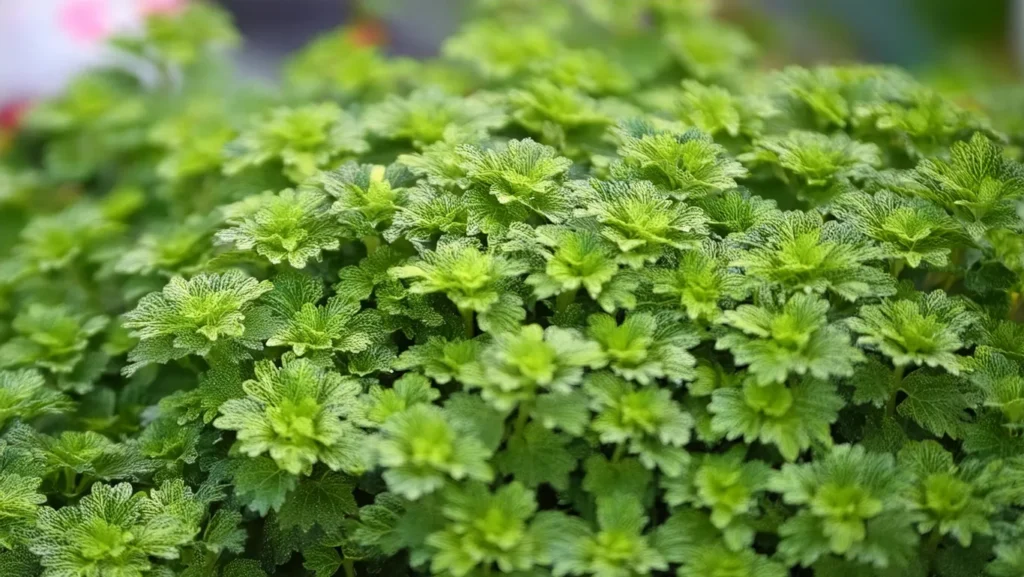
(593, 293)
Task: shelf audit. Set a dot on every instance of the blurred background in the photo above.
(955, 42)
(912, 33)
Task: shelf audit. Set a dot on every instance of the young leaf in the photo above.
(112, 532)
(616, 547)
(294, 413)
(688, 165)
(642, 221)
(909, 229)
(702, 285)
(800, 252)
(927, 330)
(366, 197)
(293, 226)
(477, 282)
(1001, 384)
(646, 347)
(518, 366)
(978, 185)
(644, 421)
(191, 317)
(816, 161)
(24, 395)
(302, 140)
(843, 500)
(429, 115)
(792, 339)
(790, 417)
(486, 529)
(522, 177)
(420, 450)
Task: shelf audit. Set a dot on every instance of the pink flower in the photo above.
(160, 6)
(86, 21)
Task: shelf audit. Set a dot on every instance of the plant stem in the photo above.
(564, 299)
(210, 560)
(1015, 302)
(522, 416)
(372, 243)
(350, 567)
(897, 380)
(69, 481)
(620, 450)
(83, 484)
(896, 267)
(949, 282)
(190, 364)
(467, 322)
(931, 547)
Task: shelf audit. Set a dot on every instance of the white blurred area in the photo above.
(44, 43)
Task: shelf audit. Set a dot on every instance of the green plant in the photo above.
(588, 295)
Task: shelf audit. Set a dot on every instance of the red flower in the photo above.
(11, 114)
(369, 33)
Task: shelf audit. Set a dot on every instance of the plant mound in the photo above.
(591, 294)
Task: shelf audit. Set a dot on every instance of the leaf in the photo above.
(243, 568)
(18, 507)
(520, 172)
(791, 417)
(293, 226)
(294, 413)
(793, 339)
(407, 434)
(23, 394)
(567, 412)
(191, 316)
(223, 533)
(687, 165)
(606, 478)
(323, 501)
(471, 416)
(261, 484)
(936, 402)
(323, 561)
(872, 383)
(538, 456)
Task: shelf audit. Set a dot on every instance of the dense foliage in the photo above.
(591, 294)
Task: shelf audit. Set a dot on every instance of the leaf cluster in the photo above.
(589, 294)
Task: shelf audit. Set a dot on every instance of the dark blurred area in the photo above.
(273, 29)
(918, 34)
